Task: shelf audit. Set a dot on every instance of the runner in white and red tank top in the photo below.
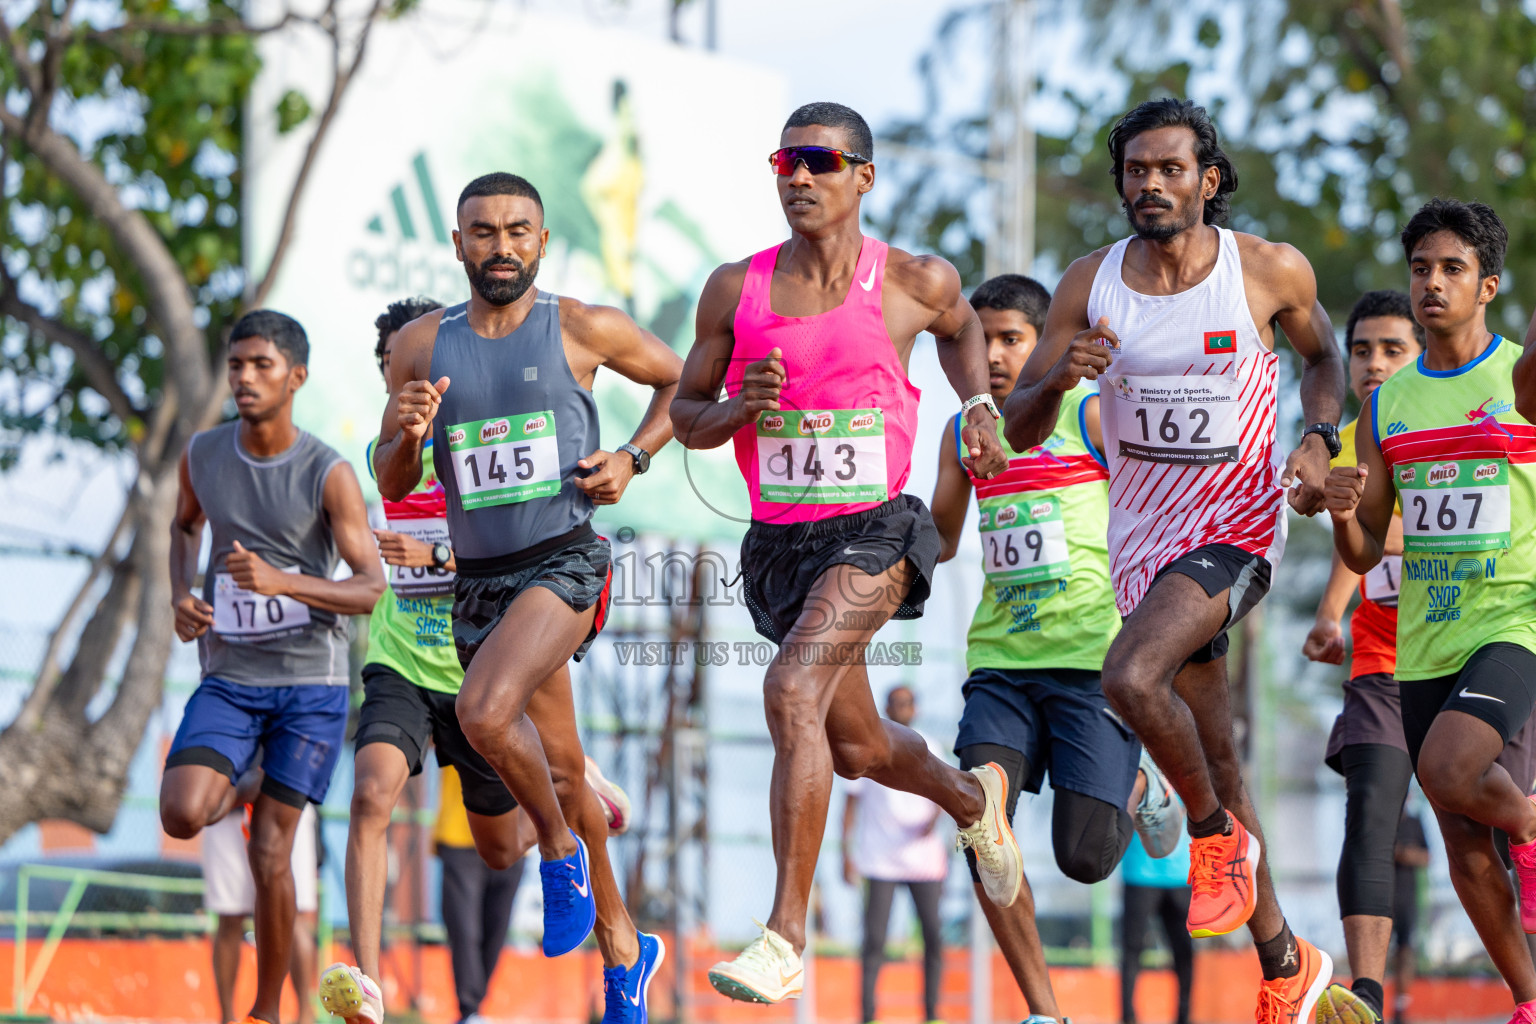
(1177, 325)
(810, 341)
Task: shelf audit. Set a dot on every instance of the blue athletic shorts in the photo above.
(1058, 719)
(300, 728)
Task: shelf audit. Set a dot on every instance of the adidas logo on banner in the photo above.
(404, 222)
(405, 247)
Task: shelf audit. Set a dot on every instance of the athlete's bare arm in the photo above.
(951, 495)
(1282, 275)
(699, 419)
(605, 336)
(408, 414)
(1092, 421)
(1525, 376)
(1071, 350)
(347, 515)
(193, 614)
(930, 287)
(1360, 499)
(1325, 640)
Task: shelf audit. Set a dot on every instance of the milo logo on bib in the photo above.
(1023, 539)
(822, 456)
(819, 423)
(494, 467)
(1455, 505)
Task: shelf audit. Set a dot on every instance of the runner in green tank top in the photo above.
(1037, 641)
(410, 682)
(1447, 441)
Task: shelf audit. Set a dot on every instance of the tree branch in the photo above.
(342, 78)
(16, 51)
(98, 369)
(234, 27)
(169, 300)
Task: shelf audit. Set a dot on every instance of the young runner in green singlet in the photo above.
(1447, 442)
(1036, 644)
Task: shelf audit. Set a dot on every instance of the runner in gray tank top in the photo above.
(270, 625)
(504, 383)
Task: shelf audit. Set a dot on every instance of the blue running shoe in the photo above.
(569, 908)
(625, 989)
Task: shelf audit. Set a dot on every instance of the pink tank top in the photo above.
(842, 439)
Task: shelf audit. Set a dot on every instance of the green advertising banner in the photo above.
(651, 160)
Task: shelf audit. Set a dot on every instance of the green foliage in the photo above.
(160, 113)
(1340, 122)
(292, 110)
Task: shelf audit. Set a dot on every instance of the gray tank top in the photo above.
(273, 506)
(512, 425)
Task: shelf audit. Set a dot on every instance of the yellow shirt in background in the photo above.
(452, 828)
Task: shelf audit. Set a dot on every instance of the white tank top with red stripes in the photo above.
(1189, 409)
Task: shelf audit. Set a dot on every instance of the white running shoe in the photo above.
(997, 853)
(350, 994)
(614, 800)
(767, 971)
(1160, 815)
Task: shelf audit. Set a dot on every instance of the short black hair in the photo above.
(835, 115)
(396, 316)
(282, 330)
(1474, 223)
(1014, 291)
(1386, 302)
(1175, 113)
(500, 183)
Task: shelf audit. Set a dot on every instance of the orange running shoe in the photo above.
(1221, 870)
(1293, 1000)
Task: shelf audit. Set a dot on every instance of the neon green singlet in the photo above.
(1047, 602)
(412, 633)
(1463, 463)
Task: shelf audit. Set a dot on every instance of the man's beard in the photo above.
(501, 291)
(1165, 228)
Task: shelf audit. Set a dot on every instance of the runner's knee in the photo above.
(1088, 835)
(853, 760)
(373, 801)
(789, 698)
(484, 725)
(179, 820)
(271, 852)
(1129, 681)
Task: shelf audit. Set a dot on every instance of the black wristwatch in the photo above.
(1330, 435)
(440, 554)
(640, 455)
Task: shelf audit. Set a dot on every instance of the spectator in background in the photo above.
(890, 839)
(476, 899)
(1410, 856)
(1155, 888)
(230, 895)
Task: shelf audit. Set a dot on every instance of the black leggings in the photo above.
(1375, 785)
(477, 906)
(1171, 907)
(877, 917)
(1088, 835)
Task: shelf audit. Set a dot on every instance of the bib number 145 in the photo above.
(505, 460)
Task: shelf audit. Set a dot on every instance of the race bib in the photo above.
(1455, 505)
(1384, 581)
(420, 581)
(1180, 421)
(238, 613)
(1024, 541)
(505, 460)
(821, 457)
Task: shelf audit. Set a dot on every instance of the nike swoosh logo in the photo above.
(785, 979)
(580, 887)
(850, 551)
(634, 1000)
(1480, 696)
(869, 282)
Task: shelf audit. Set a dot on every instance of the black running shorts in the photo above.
(398, 712)
(781, 562)
(1217, 568)
(1497, 685)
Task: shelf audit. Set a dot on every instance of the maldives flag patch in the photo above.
(1220, 343)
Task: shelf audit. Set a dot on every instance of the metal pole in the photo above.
(1022, 151)
(981, 967)
(1011, 140)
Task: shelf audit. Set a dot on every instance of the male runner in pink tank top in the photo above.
(1177, 323)
(810, 340)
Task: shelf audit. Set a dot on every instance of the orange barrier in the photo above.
(171, 981)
